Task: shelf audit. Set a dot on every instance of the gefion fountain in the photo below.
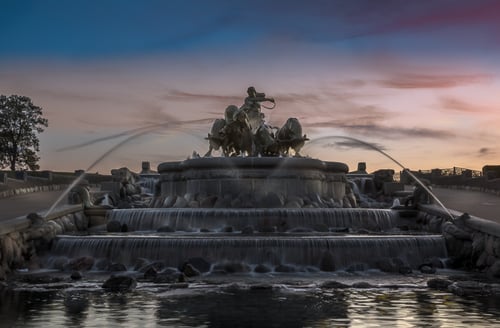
(260, 207)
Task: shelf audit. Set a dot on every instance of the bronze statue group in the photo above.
(244, 132)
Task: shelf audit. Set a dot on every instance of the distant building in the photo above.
(491, 171)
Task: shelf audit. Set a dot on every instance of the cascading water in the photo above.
(373, 147)
(300, 251)
(317, 237)
(188, 219)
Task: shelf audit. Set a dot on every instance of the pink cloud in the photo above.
(432, 81)
(458, 105)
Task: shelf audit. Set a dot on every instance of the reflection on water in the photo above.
(280, 306)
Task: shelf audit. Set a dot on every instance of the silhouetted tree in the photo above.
(20, 123)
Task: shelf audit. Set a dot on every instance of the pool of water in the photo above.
(228, 302)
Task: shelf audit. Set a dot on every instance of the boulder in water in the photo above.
(190, 271)
(439, 283)
(83, 263)
(333, 285)
(115, 267)
(208, 202)
(232, 267)
(262, 268)
(248, 230)
(284, 268)
(199, 264)
(114, 226)
(327, 262)
(76, 275)
(120, 283)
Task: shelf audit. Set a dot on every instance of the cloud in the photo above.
(432, 81)
(457, 105)
(351, 144)
(186, 96)
(485, 151)
(383, 131)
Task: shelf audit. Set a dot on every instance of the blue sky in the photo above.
(418, 78)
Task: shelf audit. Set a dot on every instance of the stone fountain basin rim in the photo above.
(253, 163)
(252, 237)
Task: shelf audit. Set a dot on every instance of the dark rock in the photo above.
(435, 262)
(165, 229)
(261, 268)
(327, 262)
(300, 230)
(76, 275)
(387, 265)
(339, 229)
(114, 226)
(362, 284)
(271, 200)
(248, 230)
(35, 219)
(169, 278)
(468, 288)
(227, 229)
(124, 228)
(190, 271)
(157, 265)
(439, 283)
(40, 279)
(205, 230)
(333, 285)
(494, 270)
(179, 285)
(266, 228)
(261, 287)
(193, 204)
(102, 264)
(222, 203)
(60, 263)
(169, 201)
(123, 204)
(356, 267)
(453, 230)
(83, 263)
(208, 202)
(404, 269)
(231, 267)
(180, 202)
(321, 227)
(116, 267)
(120, 283)
(150, 273)
(140, 263)
(427, 269)
(200, 264)
(284, 268)
(292, 204)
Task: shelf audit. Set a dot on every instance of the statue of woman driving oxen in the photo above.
(243, 131)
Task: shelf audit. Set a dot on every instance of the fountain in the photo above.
(260, 205)
(261, 236)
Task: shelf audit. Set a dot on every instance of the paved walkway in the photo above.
(12, 207)
(480, 204)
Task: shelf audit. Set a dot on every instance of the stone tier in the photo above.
(256, 176)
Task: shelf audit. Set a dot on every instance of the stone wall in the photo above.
(26, 190)
(19, 247)
(473, 243)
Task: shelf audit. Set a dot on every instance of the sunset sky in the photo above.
(419, 79)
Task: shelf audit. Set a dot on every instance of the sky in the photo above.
(122, 82)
